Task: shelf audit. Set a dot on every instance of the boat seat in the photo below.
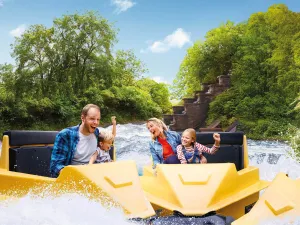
(231, 148)
(30, 151)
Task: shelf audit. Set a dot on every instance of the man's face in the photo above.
(91, 121)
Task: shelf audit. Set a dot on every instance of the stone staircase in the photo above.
(193, 113)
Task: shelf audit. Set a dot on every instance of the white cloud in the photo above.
(159, 79)
(178, 39)
(18, 31)
(122, 5)
(175, 40)
(159, 47)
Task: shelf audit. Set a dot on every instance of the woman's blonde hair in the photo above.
(191, 132)
(159, 123)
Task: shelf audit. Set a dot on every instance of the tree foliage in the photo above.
(262, 54)
(60, 69)
(207, 60)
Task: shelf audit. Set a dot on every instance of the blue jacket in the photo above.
(64, 149)
(173, 138)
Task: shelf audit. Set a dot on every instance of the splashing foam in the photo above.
(272, 157)
(285, 221)
(69, 209)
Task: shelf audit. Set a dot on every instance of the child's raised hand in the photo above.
(113, 120)
(216, 137)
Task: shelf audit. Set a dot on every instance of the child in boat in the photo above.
(191, 152)
(105, 141)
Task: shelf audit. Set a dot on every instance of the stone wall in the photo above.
(193, 112)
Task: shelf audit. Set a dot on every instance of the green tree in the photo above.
(187, 79)
(159, 93)
(205, 61)
(60, 69)
(262, 55)
(265, 76)
(66, 56)
(127, 68)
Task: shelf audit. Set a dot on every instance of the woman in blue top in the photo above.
(163, 144)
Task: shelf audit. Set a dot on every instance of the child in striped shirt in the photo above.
(190, 151)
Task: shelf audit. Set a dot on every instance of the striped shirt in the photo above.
(201, 148)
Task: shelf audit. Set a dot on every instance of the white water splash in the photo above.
(285, 221)
(272, 157)
(67, 210)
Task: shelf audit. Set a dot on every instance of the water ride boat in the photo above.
(226, 188)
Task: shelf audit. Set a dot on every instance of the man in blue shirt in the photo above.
(75, 145)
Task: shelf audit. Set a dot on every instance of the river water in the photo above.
(132, 143)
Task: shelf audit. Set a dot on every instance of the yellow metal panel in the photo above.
(192, 179)
(116, 182)
(114, 153)
(246, 157)
(4, 160)
(19, 184)
(237, 209)
(279, 205)
(280, 200)
(196, 189)
(148, 171)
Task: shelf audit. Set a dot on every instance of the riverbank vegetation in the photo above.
(60, 69)
(262, 55)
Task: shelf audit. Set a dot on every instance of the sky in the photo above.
(159, 32)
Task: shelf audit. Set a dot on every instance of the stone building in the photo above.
(193, 113)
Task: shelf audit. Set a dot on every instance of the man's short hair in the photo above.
(86, 108)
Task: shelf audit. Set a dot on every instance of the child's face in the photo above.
(186, 139)
(105, 145)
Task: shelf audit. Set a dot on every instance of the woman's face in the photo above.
(154, 129)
